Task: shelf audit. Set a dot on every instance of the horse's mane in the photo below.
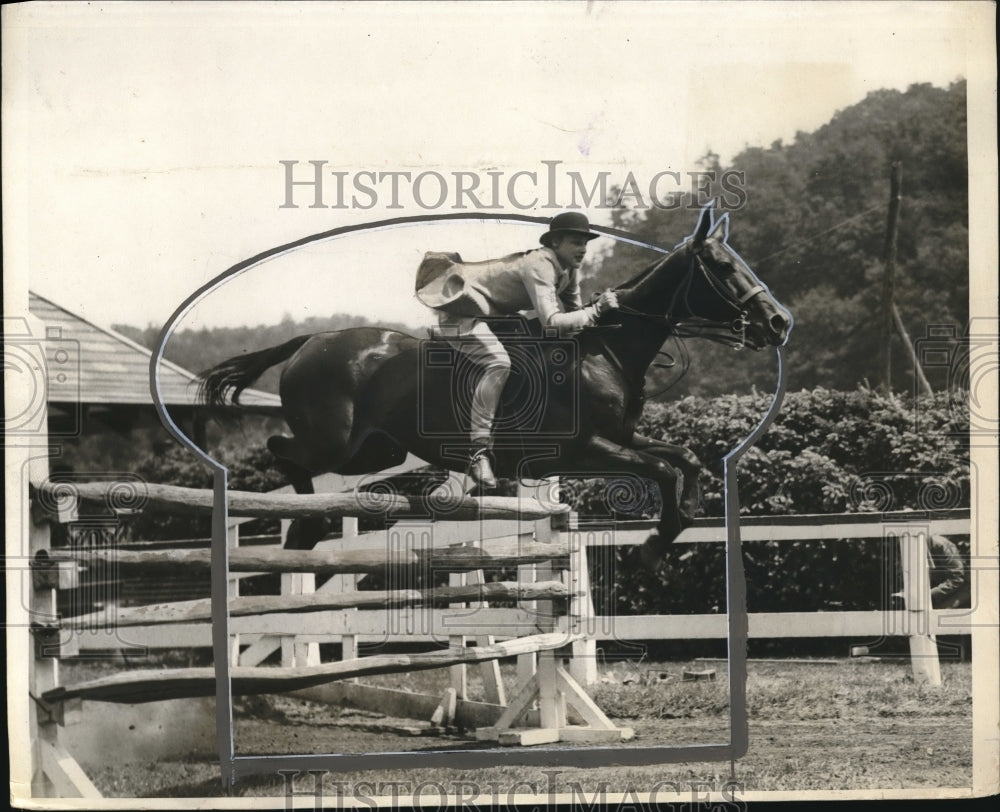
(648, 271)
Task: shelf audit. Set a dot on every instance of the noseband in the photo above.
(731, 333)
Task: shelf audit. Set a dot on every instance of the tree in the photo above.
(813, 228)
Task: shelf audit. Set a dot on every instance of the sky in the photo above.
(142, 142)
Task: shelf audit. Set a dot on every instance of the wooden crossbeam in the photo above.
(201, 610)
(157, 684)
(765, 625)
(488, 555)
(175, 499)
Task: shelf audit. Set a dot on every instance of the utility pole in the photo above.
(889, 254)
(891, 318)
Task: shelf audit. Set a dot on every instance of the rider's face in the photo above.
(570, 249)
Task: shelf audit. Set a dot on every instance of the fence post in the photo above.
(347, 583)
(914, 556)
(583, 666)
(54, 773)
(458, 672)
(551, 700)
(493, 687)
(233, 540)
(526, 663)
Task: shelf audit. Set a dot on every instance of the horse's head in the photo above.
(721, 293)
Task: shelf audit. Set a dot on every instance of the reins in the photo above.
(695, 326)
(731, 333)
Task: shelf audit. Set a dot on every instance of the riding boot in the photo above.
(484, 406)
(478, 474)
(480, 471)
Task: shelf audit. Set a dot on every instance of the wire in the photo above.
(842, 223)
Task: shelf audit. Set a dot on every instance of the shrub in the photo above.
(251, 469)
(827, 452)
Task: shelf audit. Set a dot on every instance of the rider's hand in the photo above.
(605, 302)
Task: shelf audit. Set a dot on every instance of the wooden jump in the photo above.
(201, 610)
(188, 501)
(565, 712)
(157, 684)
(549, 701)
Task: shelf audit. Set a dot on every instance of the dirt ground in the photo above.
(853, 727)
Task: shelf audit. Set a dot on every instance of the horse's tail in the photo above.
(222, 384)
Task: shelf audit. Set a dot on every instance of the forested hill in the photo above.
(814, 225)
(197, 350)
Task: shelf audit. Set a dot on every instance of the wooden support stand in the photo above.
(550, 686)
(553, 688)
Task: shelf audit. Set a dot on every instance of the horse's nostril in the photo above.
(779, 323)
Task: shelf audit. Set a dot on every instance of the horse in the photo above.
(358, 400)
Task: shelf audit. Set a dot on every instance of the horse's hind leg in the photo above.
(303, 534)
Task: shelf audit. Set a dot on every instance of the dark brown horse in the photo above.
(358, 400)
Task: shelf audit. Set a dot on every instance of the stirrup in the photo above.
(480, 471)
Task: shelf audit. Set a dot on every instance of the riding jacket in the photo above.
(530, 280)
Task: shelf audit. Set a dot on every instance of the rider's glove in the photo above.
(605, 302)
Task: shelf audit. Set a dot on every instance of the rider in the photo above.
(544, 279)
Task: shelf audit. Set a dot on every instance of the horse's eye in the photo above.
(724, 268)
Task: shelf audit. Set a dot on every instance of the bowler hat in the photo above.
(569, 221)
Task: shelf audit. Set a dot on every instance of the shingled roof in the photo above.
(92, 364)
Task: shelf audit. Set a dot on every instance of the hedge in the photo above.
(827, 452)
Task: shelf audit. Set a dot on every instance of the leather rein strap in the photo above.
(697, 327)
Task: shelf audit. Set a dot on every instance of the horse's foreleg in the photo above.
(603, 455)
(683, 459)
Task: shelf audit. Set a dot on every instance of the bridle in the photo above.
(731, 333)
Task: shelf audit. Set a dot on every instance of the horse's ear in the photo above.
(704, 225)
(720, 231)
